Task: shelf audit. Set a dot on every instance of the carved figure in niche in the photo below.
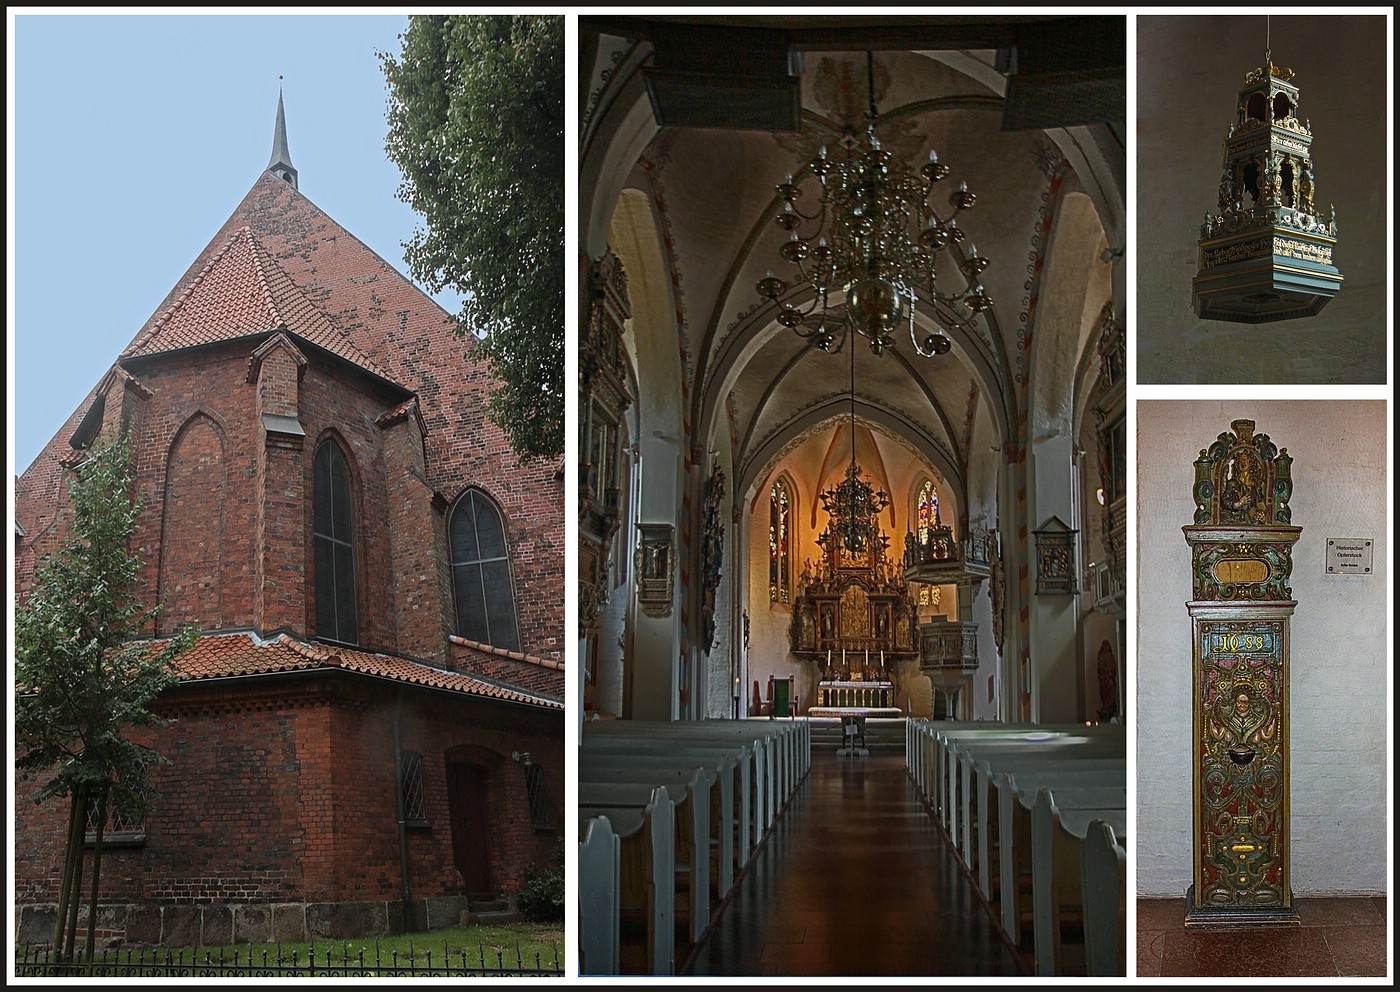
(809, 630)
(1305, 190)
(827, 624)
(1242, 492)
(1108, 682)
(1241, 720)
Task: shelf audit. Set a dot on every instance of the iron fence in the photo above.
(315, 962)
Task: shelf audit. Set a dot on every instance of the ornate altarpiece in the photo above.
(1241, 559)
(854, 614)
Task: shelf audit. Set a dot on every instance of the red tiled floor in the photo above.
(1149, 952)
(1358, 950)
(1339, 913)
(1337, 936)
(1253, 952)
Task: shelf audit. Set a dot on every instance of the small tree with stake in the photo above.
(83, 679)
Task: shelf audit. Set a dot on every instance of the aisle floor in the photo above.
(854, 879)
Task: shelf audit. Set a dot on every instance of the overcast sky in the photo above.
(132, 139)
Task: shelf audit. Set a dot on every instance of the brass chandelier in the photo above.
(853, 504)
(874, 241)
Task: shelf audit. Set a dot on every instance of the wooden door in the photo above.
(471, 834)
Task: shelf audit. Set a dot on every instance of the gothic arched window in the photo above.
(780, 543)
(926, 513)
(333, 537)
(481, 576)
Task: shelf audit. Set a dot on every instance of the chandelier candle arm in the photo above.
(874, 237)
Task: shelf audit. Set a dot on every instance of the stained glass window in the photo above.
(926, 512)
(779, 544)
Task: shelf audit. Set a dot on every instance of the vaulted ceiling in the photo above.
(1029, 111)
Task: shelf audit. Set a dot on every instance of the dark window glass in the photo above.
(332, 525)
(411, 781)
(481, 573)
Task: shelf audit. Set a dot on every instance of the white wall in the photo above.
(1339, 664)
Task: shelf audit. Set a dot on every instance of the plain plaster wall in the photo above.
(1190, 70)
(1338, 667)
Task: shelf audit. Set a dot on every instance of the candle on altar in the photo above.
(843, 657)
(867, 657)
(882, 657)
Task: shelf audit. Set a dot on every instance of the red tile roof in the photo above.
(543, 675)
(242, 291)
(227, 655)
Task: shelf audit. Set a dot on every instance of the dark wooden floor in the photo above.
(855, 879)
(1337, 937)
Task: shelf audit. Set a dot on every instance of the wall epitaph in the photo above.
(1241, 559)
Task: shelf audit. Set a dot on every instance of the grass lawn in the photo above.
(509, 947)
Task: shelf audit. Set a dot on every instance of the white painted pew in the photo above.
(1013, 798)
(1007, 754)
(788, 750)
(1105, 902)
(599, 898)
(1016, 794)
(647, 873)
(1057, 842)
(619, 756)
(691, 803)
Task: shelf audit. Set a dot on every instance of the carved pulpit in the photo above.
(1241, 559)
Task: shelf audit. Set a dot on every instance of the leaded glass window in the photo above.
(411, 782)
(337, 617)
(481, 576)
(779, 544)
(926, 512)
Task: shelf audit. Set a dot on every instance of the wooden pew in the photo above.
(1105, 902)
(679, 756)
(691, 847)
(624, 769)
(1006, 753)
(599, 898)
(787, 747)
(1016, 794)
(1057, 869)
(646, 876)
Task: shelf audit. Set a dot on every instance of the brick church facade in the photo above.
(369, 732)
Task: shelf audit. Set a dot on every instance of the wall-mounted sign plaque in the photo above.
(1349, 555)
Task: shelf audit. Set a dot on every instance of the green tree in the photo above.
(476, 124)
(84, 679)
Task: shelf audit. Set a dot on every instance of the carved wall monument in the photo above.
(1241, 559)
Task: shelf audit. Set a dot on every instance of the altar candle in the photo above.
(843, 657)
(882, 657)
(867, 657)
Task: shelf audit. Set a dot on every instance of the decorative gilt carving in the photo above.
(712, 551)
(1243, 479)
(1241, 559)
(1267, 188)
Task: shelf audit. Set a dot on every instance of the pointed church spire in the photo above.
(281, 161)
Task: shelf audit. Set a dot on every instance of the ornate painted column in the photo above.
(1241, 560)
